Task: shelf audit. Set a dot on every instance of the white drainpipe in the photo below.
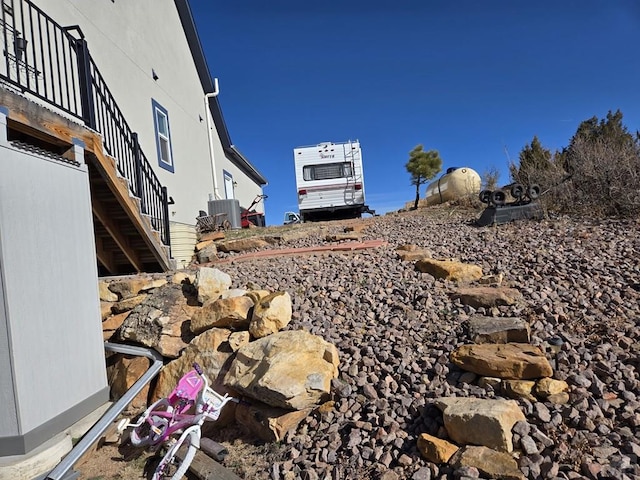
(207, 96)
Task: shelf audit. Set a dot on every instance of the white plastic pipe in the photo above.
(207, 96)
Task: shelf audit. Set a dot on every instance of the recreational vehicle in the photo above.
(329, 181)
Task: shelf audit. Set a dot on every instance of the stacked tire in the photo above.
(522, 194)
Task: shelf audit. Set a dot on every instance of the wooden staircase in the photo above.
(125, 239)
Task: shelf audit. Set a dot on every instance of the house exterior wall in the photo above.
(129, 41)
(53, 371)
(9, 417)
(244, 192)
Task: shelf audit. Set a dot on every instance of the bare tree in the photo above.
(490, 178)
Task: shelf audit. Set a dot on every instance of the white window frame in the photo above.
(159, 112)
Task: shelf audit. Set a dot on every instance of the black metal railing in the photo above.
(53, 63)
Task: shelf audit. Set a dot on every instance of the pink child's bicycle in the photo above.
(175, 421)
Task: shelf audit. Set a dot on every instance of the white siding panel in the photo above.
(50, 288)
(129, 39)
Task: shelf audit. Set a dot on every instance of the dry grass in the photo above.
(247, 458)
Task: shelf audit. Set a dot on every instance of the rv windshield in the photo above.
(327, 171)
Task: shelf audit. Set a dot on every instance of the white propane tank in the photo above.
(456, 183)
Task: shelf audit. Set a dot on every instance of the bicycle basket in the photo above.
(215, 401)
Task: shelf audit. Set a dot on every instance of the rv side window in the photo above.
(327, 171)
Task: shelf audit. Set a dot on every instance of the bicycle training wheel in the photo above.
(141, 436)
(173, 466)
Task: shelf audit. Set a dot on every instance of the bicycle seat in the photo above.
(185, 394)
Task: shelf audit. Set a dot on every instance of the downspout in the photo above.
(110, 415)
(207, 96)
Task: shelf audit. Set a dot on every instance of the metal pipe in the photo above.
(207, 96)
(110, 415)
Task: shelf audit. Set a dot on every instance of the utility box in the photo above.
(229, 206)
(52, 361)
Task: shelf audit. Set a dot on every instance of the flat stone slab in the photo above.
(480, 421)
(517, 361)
(449, 270)
(498, 330)
(487, 296)
(490, 463)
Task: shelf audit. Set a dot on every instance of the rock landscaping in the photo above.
(453, 351)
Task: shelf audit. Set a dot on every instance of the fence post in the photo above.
(165, 213)
(139, 186)
(86, 86)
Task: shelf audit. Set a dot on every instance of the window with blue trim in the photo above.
(163, 136)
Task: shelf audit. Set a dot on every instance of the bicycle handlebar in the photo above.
(197, 368)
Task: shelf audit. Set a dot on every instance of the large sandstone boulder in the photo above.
(518, 389)
(230, 313)
(203, 237)
(291, 369)
(449, 270)
(411, 253)
(207, 254)
(112, 324)
(106, 295)
(128, 303)
(183, 277)
(490, 463)
(343, 237)
(122, 372)
(435, 449)
(271, 314)
(242, 244)
(257, 295)
(480, 422)
(132, 286)
(210, 283)
(211, 350)
(106, 309)
(269, 423)
(498, 330)
(487, 296)
(238, 340)
(158, 322)
(546, 387)
(511, 360)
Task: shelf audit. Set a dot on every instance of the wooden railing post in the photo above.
(85, 84)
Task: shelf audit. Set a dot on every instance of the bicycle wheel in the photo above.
(171, 467)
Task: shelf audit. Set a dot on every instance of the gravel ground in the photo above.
(395, 328)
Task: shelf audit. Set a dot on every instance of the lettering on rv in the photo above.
(327, 155)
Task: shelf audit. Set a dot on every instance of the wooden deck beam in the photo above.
(116, 233)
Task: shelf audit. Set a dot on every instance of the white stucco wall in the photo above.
(244, 192)
(128, 40)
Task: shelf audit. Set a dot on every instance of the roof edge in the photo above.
(242, 163)
(200, 61)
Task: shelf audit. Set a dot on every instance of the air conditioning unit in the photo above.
(229, 206)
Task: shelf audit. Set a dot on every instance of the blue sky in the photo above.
(473, 80)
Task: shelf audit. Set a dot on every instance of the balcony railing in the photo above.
(53, 64)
